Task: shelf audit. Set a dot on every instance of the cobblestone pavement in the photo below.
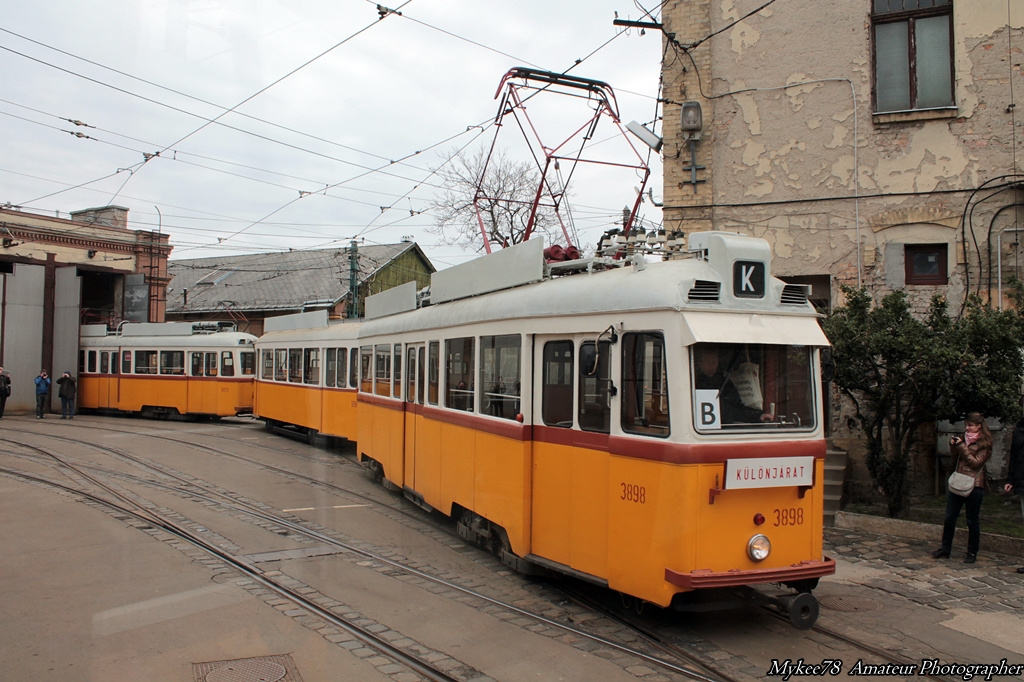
(907, 568)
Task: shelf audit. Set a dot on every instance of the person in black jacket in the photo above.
(5, 390)
(68, 388)
(1015, 477)
(712, 374)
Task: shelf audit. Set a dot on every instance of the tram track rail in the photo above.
(655, 640)
(886, 656)
(661, 638)
(190, 488)
(133, 510)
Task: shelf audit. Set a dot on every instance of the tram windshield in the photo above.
(752, 386)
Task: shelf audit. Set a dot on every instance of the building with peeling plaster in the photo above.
(871, 142)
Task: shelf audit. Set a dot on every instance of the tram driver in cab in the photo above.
(726, 390)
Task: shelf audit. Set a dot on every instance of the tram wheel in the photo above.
(802, 610)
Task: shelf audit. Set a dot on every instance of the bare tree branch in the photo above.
(504, 195)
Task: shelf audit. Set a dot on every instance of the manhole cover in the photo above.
(839, 603)
(247, 671)
(259, 669)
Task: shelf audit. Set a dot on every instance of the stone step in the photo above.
(835, 475)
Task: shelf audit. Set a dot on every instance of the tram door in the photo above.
(104, 364)
(572, 401)
(112, 387)
(202, 396)
(413, 392)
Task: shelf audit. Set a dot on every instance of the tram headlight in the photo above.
(759, 547)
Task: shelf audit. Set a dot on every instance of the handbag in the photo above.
(960, 484)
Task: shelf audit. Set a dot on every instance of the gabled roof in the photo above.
(283, 281)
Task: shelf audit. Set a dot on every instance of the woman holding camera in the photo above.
(971, 450)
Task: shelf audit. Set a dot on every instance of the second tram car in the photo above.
(164, 369)
(653, 427)
(308, 375)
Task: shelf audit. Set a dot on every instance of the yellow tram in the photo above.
(654, 427)
(308, 375)
(164, 369)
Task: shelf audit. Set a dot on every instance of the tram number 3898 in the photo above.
(633, 493)
(789, 517)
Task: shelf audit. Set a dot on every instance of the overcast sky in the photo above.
(326, 98)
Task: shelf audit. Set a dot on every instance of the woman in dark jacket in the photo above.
(971, 450)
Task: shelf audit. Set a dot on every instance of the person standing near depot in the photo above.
(971, 450)
(1015, 477)
(68, 386)
(42, 393)
(5, 389)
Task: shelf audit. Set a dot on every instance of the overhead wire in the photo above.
(269, 86)
(209, 121)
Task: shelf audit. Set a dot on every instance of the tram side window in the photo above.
(556, 390)
(198, 363)
(499, 374)
(595, 387)
(382, 369)
(295, 365)
(92, 361)
(145, 362)
(459, 373)
(81, 360)
(113, 362)
(420, 382)
(267, 360)
(172, 362)
(311, 366)
(341, 371)
(247, 359)
(644, 385)
(330, 367)
(410, 374)
(227, 364)
(434, 373)
(104, 363)
(126, 362)
(281, 364)
(365, 366)
(353, 367)
(397, 365)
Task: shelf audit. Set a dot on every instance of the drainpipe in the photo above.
(999, 260)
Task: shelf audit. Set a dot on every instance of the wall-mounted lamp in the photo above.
(645, 135)
(691, 120)
(92, 254)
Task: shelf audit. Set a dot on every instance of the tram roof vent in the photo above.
(705, 291)
(795, 294)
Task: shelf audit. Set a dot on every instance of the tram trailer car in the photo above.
(308, 375)
(165, 369)
(578, 423)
